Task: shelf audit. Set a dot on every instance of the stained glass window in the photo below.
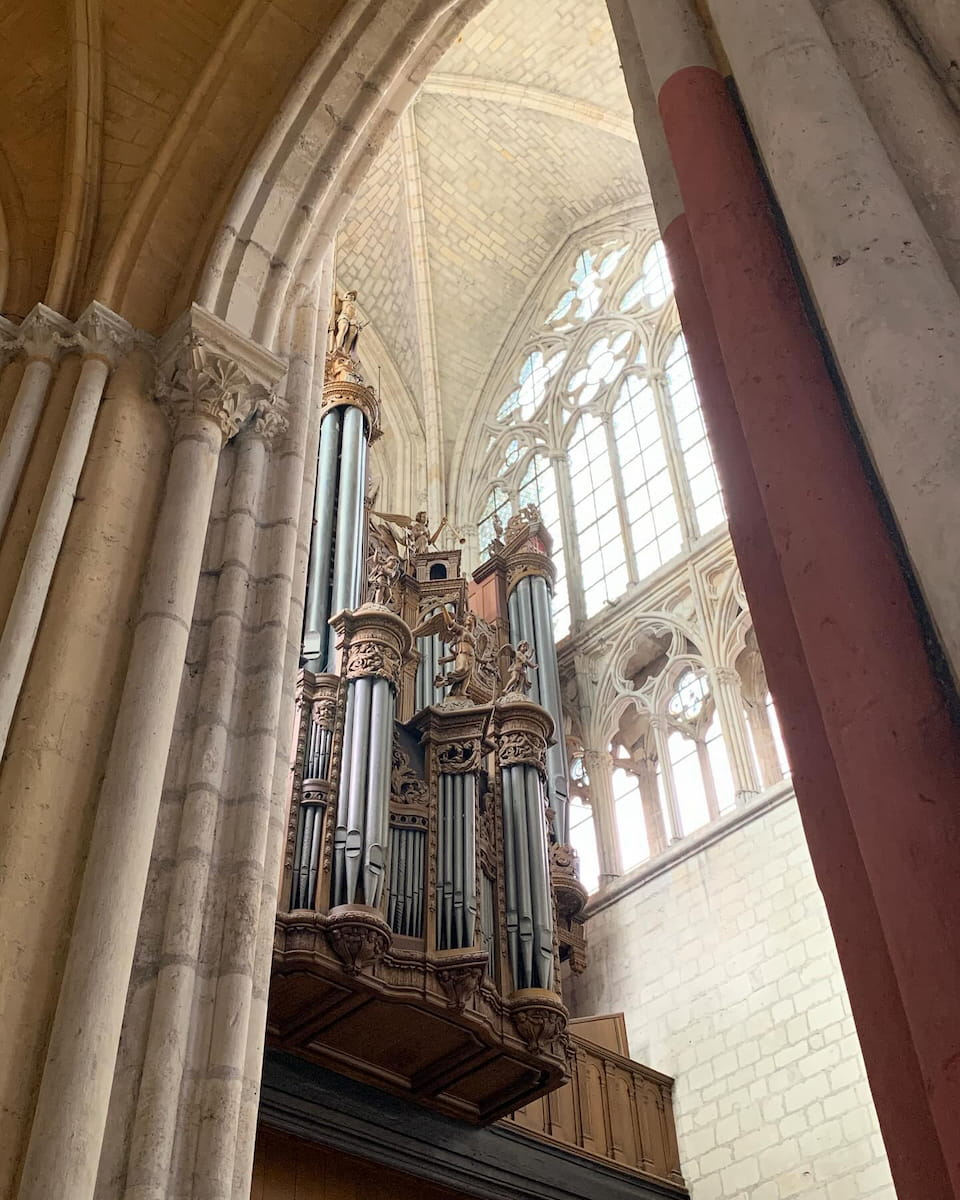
(609, 439)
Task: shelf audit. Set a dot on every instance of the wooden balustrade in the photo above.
(611, 1108)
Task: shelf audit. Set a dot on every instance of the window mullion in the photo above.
(626, 533)
(678, 473)
(571, 547)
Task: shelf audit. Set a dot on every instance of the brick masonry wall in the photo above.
(727, 973)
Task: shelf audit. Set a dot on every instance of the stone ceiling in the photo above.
(521, 135)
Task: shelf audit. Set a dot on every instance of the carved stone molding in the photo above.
(374, 643)
(208, 369)
(358, 935)
(541, 1020)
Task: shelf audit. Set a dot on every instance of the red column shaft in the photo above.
(913, 1148)
(894, 747)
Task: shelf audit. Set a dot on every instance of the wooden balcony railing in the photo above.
(613, 1109)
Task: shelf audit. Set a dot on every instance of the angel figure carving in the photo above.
(522, 663)
(418, 535)
(468, 652)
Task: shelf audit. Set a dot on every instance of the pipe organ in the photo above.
(427, 887)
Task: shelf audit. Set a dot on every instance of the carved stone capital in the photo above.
(100, 333)
(9, 342)
(374, 643)
(269, 421)
(597, 760)
(44, 334)
(725, 676)
(208, 369)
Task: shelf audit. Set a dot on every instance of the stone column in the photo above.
(853, 609)
(103, 338)
(42, 337)
(209, 395)
(896, 1076)
(725, 685)
(154, 1130)
(661, 735)
(888, 307)
(599, 765)
(645, 769)
(909, 109)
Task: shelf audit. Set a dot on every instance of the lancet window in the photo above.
(599, 424)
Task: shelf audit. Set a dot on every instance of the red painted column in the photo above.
(916, 1160)
(894, 748)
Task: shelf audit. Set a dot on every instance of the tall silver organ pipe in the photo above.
(527, 878)
(431, 650)
(528, 610)
(456, 888)
(529, 918)
(335, 572)
(374, 643)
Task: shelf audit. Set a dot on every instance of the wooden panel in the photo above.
(609, 1032)
(286, 1168)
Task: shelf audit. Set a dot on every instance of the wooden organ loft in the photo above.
(429, 893)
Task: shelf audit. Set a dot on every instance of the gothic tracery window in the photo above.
(600, 426)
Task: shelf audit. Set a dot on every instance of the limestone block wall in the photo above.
(725, 968)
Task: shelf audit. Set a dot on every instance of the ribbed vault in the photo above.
(521, 135)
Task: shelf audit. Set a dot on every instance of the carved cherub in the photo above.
(522, 663)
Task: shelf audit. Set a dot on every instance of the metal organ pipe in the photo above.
(528, 611)
(510, 875)
(319, 575)
(375, 644)
(359, 751)
(548, 676)
(349, 509)
(524, 730)
(456, 887)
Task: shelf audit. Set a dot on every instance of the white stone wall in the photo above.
(726, 970)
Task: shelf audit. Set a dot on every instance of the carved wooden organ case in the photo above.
(428, 893)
